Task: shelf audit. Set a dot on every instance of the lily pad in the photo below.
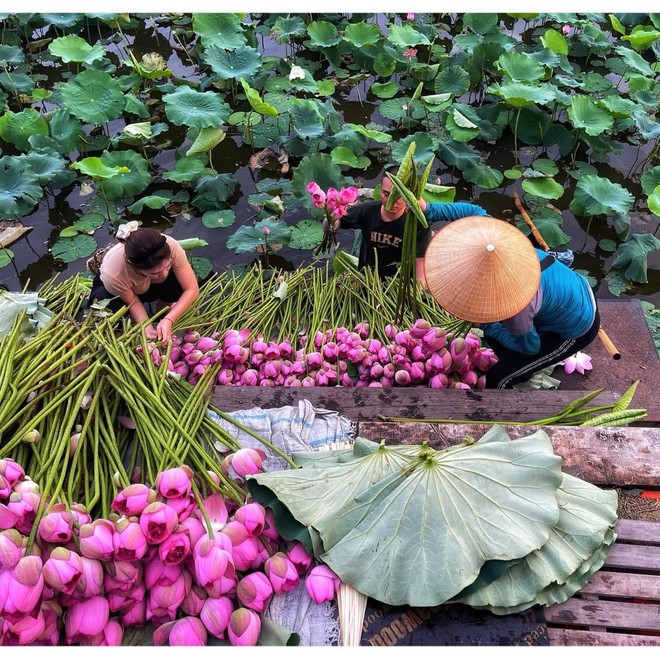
(484, 176)
(394, 108)
(306, 234)
(520, 67)
(362, 34)
(72, 249)
(89, 222)
(93, 96)
(307, 118)
(185, 169)
(98, 169)
(633, 256)
(133, 105)
(456, 153)
(72, 48)
(342, 155)
(425, 148)
(65, 130)
(243, 62)
(249, 239)
(385, 89)
(207, 139)
(213, 191)
(18, 127)
(20, 191)
(452, 80)
(49, 168)
(520, 95)
(286, 28)
(323, 34)
(595, 195)
(154, 201)
(222, 30)
(218, 219)
(202, 266)
(126, 184)
(547, 188)
(651, 180)
(187, 107)
(463, 123)
(405, 35)
(11, 55)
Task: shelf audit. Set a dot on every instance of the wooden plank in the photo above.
(623, 584)
(581, 637)
(617, 615)
(365, 403)
(630, 530)
(610, 456)
(633, 557)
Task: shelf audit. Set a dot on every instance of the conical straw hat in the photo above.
(481, 269)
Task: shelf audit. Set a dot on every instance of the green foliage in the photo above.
(93, 96)
(18, 127)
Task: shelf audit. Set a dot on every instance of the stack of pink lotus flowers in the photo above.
(192, 572)
(421, 355)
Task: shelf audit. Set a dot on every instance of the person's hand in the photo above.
(164, 330)
(422, 204)
(151, 333)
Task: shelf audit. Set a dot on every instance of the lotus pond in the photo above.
(212, 125)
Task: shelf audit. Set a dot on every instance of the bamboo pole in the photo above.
(602, 334)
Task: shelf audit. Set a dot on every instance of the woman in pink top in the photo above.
(147, 266)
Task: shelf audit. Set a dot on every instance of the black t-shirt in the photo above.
(383, 238)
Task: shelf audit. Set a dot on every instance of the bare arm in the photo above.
(420, 272)
(186, 277)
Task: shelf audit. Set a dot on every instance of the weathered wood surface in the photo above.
(586, 638)
(605, 613)
(638, 532)
(610, 456)
(634, 557)
(622, 584)
(365, 404)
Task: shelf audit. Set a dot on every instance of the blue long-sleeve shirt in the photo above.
(564, 305)
(440, 212)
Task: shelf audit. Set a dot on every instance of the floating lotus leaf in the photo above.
(642, 36)
(6, 257)
(306, 234)
(452, 80)
(384, 65)
(222, 30)
(456, 153)
(49, 168)
(154, 202)
(633, 256)
(394, 108)
(219, 219)
(185, 169)
(651, 180)
(18, 127)
(480, 23)
(307, 118)
(213, 191)
(405, 35)
(362, 34)
(595, 195)
(126, 184)
(385, 89)
(649, 129)
(11, 55)
(317, 167)
(256, 103)
(549, 224)
(89, 223)
(192, 243)
(65, 130)
(463, 123)
(202, 266)
(619, 108)
(187, 107)
(243, 62)
(323, 34)
(484, 176)
(325, 87)
(286, 29)
(17, 82)
(520, 67)
(634, 61)
(72, 249)
(207, 139)
(134, 105)
(97, 169)
(547, 188)
(371, 134)
(654, 201)
(545, 166)
(425, 148)
(265, 134)
(72, 48)
(555, 41)
(520, 95)
(595, 39)
(93, 96)
(249, 239)
(20, 191)
(62, 20)
(342, 155)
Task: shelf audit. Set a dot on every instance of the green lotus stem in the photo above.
(200, 504)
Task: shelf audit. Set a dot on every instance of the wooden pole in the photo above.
(602, 335)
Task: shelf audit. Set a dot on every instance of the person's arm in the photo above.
(437, 212)
(186, 277)
(518, 333)
(137, 312)
(420, 273)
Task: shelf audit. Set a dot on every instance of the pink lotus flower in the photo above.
(579, 362)
(254, 591)
(22, 631)
(244, 627)
(182, 506)
(174, 549)
(566, 29)
(80, 514)
(409, 53)
(318, 196)
(164, 601)
(135, 614)
(24, 505)
(112, 635)
(86, 619)
(244, 547)
(282, 573)
(129, 542)
(56, 526)
(193, 528)
(157, 521)
(214, 566)
(132, 500)
(96, 539)
(194, 600)
(439, 381)
(252, 516)
(11, 548)
(187, 631)
(10, 474)
(247, 461)
(63, 570)
(156, 573)
(174, 483)
(322, 584)
(52, 615)
(122, 576)
(299, 556)
(21, 588)
(216, 510)
(215, 614)
(91, 582)
(410, 16)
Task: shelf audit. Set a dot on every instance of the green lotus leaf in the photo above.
(634, 61)
(98, 169)
(442, 194)
(616, 24)
(607, 245)
(362, 34)
(49, 168)
(370, 133)
(654, 200)
(202, 266)
(484, 176)
(213, 191)
(555, 41)
(405, 35)
(323, 34)
(265, 133)
(480, 23)
(154, 201)
(595, 195)
(72, 48)
(256, 103)
(619, 108)
(286, 29)
(463, 123)
(633, 256)
(394, 108)
(545, 166)
(384, 65)
(547, 188)
(642, 36)
(307, 118)
(595, 39)
(15, 82)
(192, 243)
(512, 174)
(425, 148)
(317, 167)
(20, 191)
(243, 118)
(459, 154)
(651, 180)
(187, 107)
(647, 97)
(437, 102)
(6, 257)
(249, 239)
(385, 89)
(72, 249)
(140, 131)
(207, 139)
(452, 80)
(243, 62)
(325, 87)
(68, 232)
(134, 105)
(649, 129)
(218, 219)
(350, 138)
(65, 130)
(302, 79)
(185, 169)
(222, 30)
(549, 224)
(560, 137)
(306, 234)
(89, 222)
(520, 67)
(520, 95)
(130, 183)
(93, 96)
(617, 282)
(63, 20)
(11, 55)
(17, 127)
(342, 155)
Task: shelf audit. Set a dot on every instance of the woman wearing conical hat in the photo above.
(534, 311)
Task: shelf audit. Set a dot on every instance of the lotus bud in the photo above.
(292, 381)
(481, 382)
(252, 516)
(285, 348)
(225, 376)
(205, 343)
(23, 631)
(313, 359)
(322, 584)
(135, 614)
(12, 544)
(386, 382)
(12, 473)
(299, 556)
(129, 542)
(439, 381)
(566, 29)
(346, 381)
(402, 378)
(309, 381)
(74, 440)
(91, 583)
(158, 521)
(175, 354)
(419, 353)
(63, 570)
(435, 338)
(248, 461)
(460, 385)
(24, 505)
(257, 359)
(56, 526)
(458, 349)
(111, 636)
(254, 591)
(214, 566)
(193, 602)
(96, 539)
(31, 437)
(175, 548)
(266, 382)
(470, 378)
(244, 627)
(282, 573)
(272, 351)
(26, 485)
(193, 528)
(191, 337)
(188, 631)
(80, 514)
(156, 573)
(186, 349)
(215, 614)
(404, 339)
(155, 356)
(445, 355)
(132, 500)
(357, 354)
(51, 613)
(194, 357)
(420, 328)
(22, 587)
(362, 329)
(401, 361)
(86, 401)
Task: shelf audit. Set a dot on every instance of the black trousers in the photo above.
(515, 367)
(168, 291)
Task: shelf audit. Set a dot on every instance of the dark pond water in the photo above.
(34, 264)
